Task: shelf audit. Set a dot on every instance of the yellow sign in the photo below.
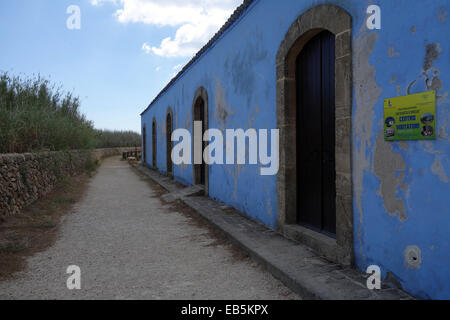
(410, 117)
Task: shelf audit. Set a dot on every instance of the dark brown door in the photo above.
(154, 142)
(169, 144)
(144, 142)
(316, 176)
(199, 115)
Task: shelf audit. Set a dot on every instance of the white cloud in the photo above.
(196, 21)
(146, 48)
(101, 2)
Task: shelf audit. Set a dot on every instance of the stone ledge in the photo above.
(298, 267)
(323, 245)
(181, 194)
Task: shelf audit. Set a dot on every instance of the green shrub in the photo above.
(115, 139)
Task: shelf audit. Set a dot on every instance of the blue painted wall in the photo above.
(401, 190)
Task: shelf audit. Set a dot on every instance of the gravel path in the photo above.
(131, 246)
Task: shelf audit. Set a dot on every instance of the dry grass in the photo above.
(36, 228)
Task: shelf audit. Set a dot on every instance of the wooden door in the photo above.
(154, 144)
(169, 144)
(316, 173)
(199, 115)
(144, 146)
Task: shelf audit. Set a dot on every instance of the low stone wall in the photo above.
(98, 154)
(24, 178)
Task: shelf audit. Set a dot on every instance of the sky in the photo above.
(121, 56)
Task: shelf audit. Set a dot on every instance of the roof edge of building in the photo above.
(233, 18)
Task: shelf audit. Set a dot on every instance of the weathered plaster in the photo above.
(443, 135)
(387, 164)
(367, 93)
(438, 169)
(252, 118)
(442, 16)
(403, 145)
(222, 110)
(429, 74)
(241, 65)
(433, 51)
(392, 53)
(235, 171)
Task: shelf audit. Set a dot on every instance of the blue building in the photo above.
(320, 70)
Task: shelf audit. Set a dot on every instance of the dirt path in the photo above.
(129, 245)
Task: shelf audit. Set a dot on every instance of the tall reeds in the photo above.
(36, 115)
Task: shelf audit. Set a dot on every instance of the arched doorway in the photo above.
(200, 113)
(169, 144)
(154, 144)
(314, 103)
(315, 133)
